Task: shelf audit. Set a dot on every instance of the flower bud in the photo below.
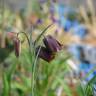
(17, 46)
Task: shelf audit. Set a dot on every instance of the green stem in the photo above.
(31, 52)
(25, 36)
(34, 68)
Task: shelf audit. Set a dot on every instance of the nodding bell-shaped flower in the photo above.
(17, 46)
(52, 44)
(44, 53)
(51, 47)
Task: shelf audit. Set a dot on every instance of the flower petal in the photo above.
(52, 44)
(45, 54)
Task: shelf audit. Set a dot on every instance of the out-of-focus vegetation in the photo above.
(28, 75)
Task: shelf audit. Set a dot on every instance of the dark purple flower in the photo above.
(52, 44)
(49, 51)
(45, 54)
(17, 46)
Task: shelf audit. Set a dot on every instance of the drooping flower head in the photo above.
(52, 46)
(17, 46)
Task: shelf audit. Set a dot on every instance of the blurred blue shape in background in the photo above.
(80, 31)
(74, 50)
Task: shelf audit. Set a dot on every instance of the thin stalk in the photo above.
(25, 36)
(34, 62)
(31, 52)
(35, 65)
(31, 48)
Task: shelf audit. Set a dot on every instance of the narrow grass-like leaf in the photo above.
(89, 87)
(5, 85)
(38, 38)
